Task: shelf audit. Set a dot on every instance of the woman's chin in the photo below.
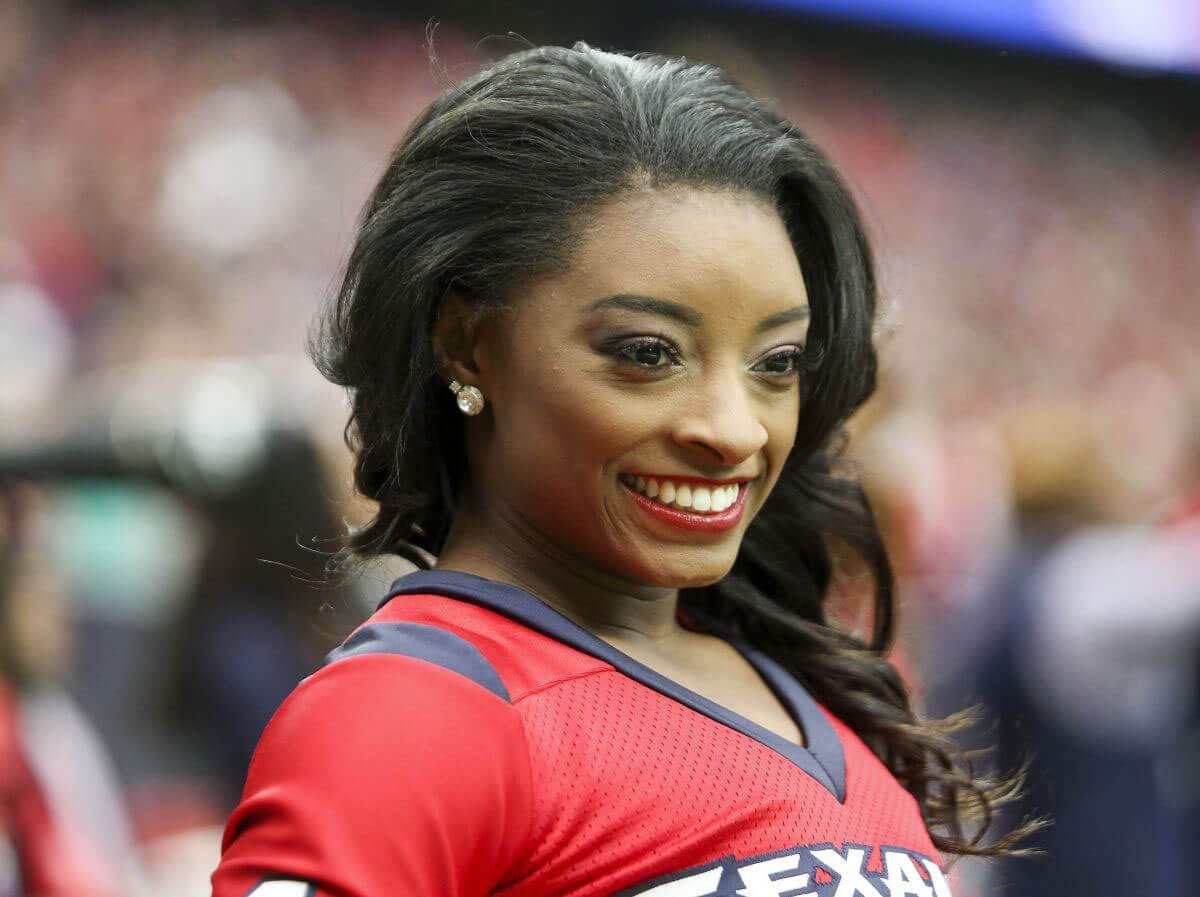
(689, 572)
(698, 582)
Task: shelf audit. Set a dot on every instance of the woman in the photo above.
(602, 324)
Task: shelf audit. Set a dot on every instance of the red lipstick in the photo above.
(712, 523)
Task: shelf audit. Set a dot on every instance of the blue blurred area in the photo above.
(1009, 21)
(1156, 34)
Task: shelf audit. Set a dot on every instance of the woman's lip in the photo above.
(711, 523)
(681, 479)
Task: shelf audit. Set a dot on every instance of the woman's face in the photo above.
(642, 403)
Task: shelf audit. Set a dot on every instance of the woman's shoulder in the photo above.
(400, 751)
(412, 673)
(497, 652)
(390, 684)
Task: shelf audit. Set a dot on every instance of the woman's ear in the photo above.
(455, 336)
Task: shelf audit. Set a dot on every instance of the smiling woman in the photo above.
(687, 371)
(618, 676)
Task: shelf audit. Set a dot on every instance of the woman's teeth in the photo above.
(688, 496)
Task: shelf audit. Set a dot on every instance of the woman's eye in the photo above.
(781, 363)
(647, 353)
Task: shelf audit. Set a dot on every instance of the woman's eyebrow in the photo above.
(662, 307)
(796, 313)
(687, 315)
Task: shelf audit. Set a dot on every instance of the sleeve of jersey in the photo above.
(381, 776)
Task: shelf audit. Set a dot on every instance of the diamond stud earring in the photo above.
(468, 398)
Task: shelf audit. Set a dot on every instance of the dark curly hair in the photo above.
(493, 185)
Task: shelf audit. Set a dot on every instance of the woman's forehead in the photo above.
(716, 249)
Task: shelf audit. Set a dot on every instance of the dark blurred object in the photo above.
(262, 611)
(195, 524)
(1084, 642)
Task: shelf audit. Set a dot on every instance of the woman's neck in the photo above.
(606, 605)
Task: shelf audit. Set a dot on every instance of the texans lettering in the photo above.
(820, 871)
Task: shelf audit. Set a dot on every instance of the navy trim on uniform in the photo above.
(423, 642)
(823, 741)
(823, 758)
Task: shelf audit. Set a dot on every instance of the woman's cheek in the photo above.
(570, 460)
(781, 431)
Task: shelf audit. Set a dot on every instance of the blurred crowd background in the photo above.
(179, 184)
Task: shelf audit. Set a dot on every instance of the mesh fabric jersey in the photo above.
(469, 740)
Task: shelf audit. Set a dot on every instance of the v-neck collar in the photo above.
(823, 758)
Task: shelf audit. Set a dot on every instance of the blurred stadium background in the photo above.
(180, 182)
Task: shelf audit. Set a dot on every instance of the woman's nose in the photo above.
(721, 420)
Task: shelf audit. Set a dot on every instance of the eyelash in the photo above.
(624, 349)
(793, 353)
